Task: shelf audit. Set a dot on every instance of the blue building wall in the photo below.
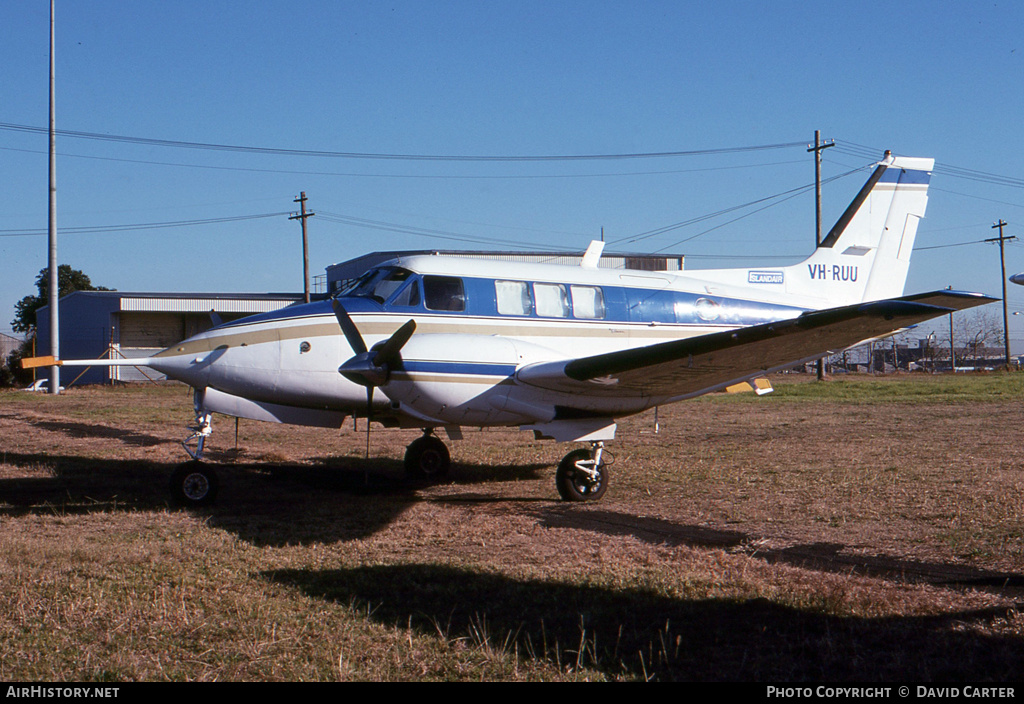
(85, 329)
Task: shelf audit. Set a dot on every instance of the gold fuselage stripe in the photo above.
(273, 331)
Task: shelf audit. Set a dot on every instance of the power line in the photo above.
(969, 195)
(446, 177)
(862, 151)
(103, 229)
(946, 246)
(372, 155)
(778, 197)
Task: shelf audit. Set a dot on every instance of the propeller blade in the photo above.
(355, 340)
(369, 412)
(370, 368)
(389, 350)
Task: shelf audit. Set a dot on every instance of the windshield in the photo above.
(377, 284)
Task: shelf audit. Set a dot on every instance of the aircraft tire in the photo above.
(194, 484)
(427, 458)
(574, 485)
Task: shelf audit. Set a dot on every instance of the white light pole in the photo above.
(54, 273)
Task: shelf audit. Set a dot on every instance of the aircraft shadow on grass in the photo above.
(265, 503)
(92, 430)
(637, 633)
(821, 556)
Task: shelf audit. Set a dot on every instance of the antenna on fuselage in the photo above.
(593, 255)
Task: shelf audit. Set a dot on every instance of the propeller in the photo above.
(370, 368)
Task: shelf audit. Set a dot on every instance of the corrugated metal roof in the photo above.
(185, 304)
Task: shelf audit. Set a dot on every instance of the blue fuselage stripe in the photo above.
(470, 368)
(623, 305)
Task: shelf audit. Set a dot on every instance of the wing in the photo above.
(697, 365)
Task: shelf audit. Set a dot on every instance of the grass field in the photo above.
(864, 528)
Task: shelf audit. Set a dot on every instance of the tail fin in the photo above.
(866, 255)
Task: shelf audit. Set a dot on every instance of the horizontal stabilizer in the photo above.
(759, 386)
(46, 361)
(32, 362)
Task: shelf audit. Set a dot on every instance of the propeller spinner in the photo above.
(370, 368)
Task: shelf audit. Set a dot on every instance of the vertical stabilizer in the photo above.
(866, 255)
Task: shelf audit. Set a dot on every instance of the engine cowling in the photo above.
(465, 379)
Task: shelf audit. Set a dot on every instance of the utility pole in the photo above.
(952, 344)
(817, 149)
(1002, 265)
(302, 215)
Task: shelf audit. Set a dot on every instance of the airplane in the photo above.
(563, 351)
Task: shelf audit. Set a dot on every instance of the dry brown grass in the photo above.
(854, 530)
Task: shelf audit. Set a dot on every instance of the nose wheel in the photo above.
(582, 474)
(194, 484)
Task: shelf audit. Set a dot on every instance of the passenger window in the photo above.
(552, 300)
(513, 298)
(444, 293)
(587, 302)
(408, 297)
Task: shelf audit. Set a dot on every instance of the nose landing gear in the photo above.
(200, 431)
(194, 483)
(583, 474)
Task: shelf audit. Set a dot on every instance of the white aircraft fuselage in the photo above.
(460, 360)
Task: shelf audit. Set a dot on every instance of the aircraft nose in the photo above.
(183, 362)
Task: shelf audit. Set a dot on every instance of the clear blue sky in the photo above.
(932, 79)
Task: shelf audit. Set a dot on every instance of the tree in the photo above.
(976, 332)
(11, 373)
(68, 280)
(979, 331)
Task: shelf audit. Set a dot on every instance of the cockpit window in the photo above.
(408, 297)
(444, 293)
(357, 283)
(377, 284)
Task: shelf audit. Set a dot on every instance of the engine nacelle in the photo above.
(465, 379)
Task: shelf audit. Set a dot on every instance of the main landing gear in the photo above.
(427, 457)
(583, 474)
